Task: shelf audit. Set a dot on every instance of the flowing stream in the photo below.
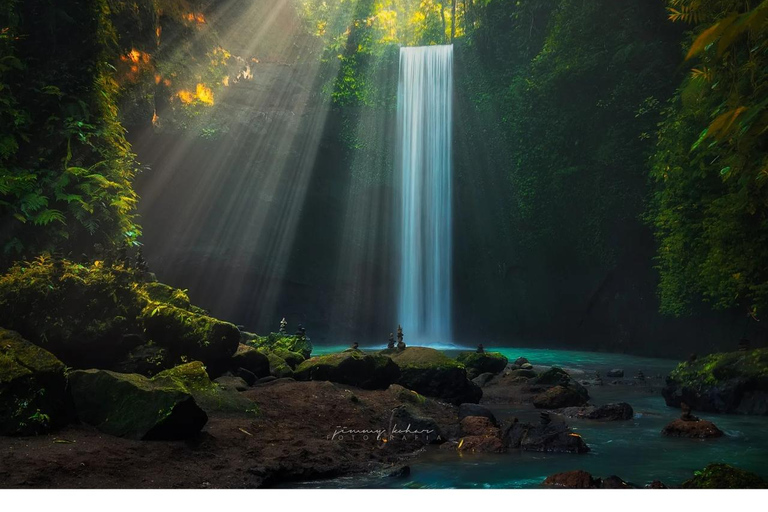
(634, 450)
(424, 113)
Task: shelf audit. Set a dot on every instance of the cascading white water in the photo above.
(424, 112)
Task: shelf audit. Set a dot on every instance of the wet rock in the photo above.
(730, 382)
(520, 361)
(479, 426)
(432, 373)
(610, 412)
(577, 479)
(552, 437)
(251, 359)
(32, 387)
(580, 479)
(481, 444)
(526, 366)
(615, 374)
(266, 379)
(482, 362)
(476, 410)
(483, 379)
(406, 395)
(133, 406)
(723, 476)
(699, 429)
(558, 397)
(147, 359)
(656, 484)
(401, 472)
(367, 371)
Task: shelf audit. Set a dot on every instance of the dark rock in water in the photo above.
(367, 371)
(252, 360)
(483, 379)
(481, 444)
(432, 373)
(732, 382)
(656, 484)
(405, 422)
(133, 406)
(552, 437)
(231, 382)
(482, 362)
(476, 410)
(723, 476)
(246, 375)
(520, 361)
(479, 426)
(577, 479)
(610, 412)
(33, 394)
(554, 377)
(526, 366)
(615, 373)
(401, 472)
(700, 429)
(580, 479)
(558, 397)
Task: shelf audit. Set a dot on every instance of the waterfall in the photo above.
(424, 121)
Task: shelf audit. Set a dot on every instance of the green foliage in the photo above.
(715, 368)
(710, 207)
(723, 476)
(65, 166)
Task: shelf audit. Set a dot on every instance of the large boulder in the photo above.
(557, 397)
(733, 382)
(353, 367)
(723, 476)
(551, 437)
(194, 335)
(476, 410)
(105, 315)
(210, 396)
(483, 362)
(32, 387)
(432, 373)
(698, 429)
(252, 360)
(618, 411)
(275, 340)
(407, 424)
(278, 367)
(134, 406)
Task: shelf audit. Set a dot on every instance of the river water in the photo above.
(633, 450)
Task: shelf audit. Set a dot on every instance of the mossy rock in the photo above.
(484, 362)
(353, 367)
(432, 373)
(191, 334)
(277, 365)
(293, 359)
(94, 315)
(134, 406)
(210, 396)
(32, 387)
(558, 377)
(80, 313)
(147, 359)
(557, 397)
(723, 476)
(731, 382)
(276, 340)
(251, 359)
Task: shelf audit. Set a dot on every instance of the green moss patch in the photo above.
(723, 476)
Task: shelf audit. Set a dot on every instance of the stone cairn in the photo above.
(400, 342)
(391, 342)
(480, 349)
(283, 326)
